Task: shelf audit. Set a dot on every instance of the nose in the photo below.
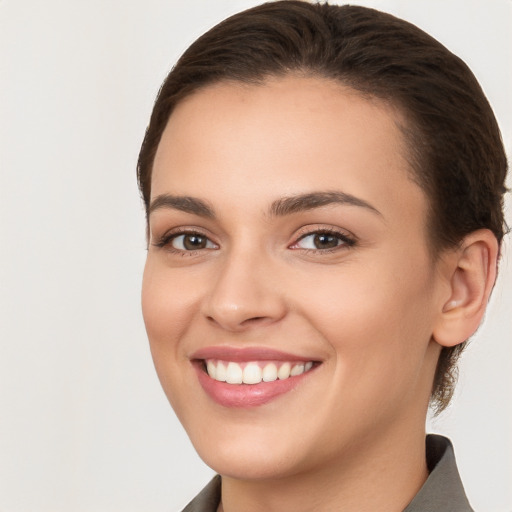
(245, 294)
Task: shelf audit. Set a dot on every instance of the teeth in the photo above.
(220, 373)
(297, 370)
(284, 371)
(254, 372)
(270, 372)
(211, 369)
(234, 374)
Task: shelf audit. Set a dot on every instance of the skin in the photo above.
(368, 311)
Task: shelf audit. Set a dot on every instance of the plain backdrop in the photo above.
(84, 425)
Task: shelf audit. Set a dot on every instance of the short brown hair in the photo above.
(455, 147)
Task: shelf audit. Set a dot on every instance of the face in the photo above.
(288, 293)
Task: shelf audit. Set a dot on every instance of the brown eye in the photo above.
(321, 240)
(191, 242)
(325, 241)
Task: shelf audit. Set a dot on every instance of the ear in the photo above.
(472, 273)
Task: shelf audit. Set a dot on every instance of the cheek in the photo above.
(368, 301)
(168, 310)
(377, 318)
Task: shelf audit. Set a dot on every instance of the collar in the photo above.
(442, 492)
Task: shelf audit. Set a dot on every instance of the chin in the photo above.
(251, 464)
(249, 453)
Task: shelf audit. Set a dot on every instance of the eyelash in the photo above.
(346, 241)
(166, 241)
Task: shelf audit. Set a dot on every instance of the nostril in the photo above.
(248, 322)
(256, 322)
(253, 320)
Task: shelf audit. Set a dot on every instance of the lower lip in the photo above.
(245, 395)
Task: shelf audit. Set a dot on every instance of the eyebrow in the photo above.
(279, 208)
(186, 204)
(312, 200)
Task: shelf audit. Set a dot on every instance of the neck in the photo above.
(379, 474)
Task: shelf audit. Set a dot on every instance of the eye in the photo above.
(184, 242)
(191, 242)
(322, 240)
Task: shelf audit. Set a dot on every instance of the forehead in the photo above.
(286, 136)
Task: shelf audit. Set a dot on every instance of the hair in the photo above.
(453, 140)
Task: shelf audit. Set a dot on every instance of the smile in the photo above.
(254, 372)
(249, 377)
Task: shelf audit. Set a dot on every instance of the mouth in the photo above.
(254, 372)
(249, 377)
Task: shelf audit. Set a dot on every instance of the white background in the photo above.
(84, 425)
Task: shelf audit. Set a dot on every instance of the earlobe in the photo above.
(472, 277)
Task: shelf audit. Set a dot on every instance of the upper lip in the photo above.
(246, 354)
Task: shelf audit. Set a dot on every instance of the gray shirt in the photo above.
(442, 492)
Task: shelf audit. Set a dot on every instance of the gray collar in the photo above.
(442, 492)
(208, 499)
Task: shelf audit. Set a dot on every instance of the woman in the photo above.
(323, 188)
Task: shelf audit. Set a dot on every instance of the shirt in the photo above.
(442, 492)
